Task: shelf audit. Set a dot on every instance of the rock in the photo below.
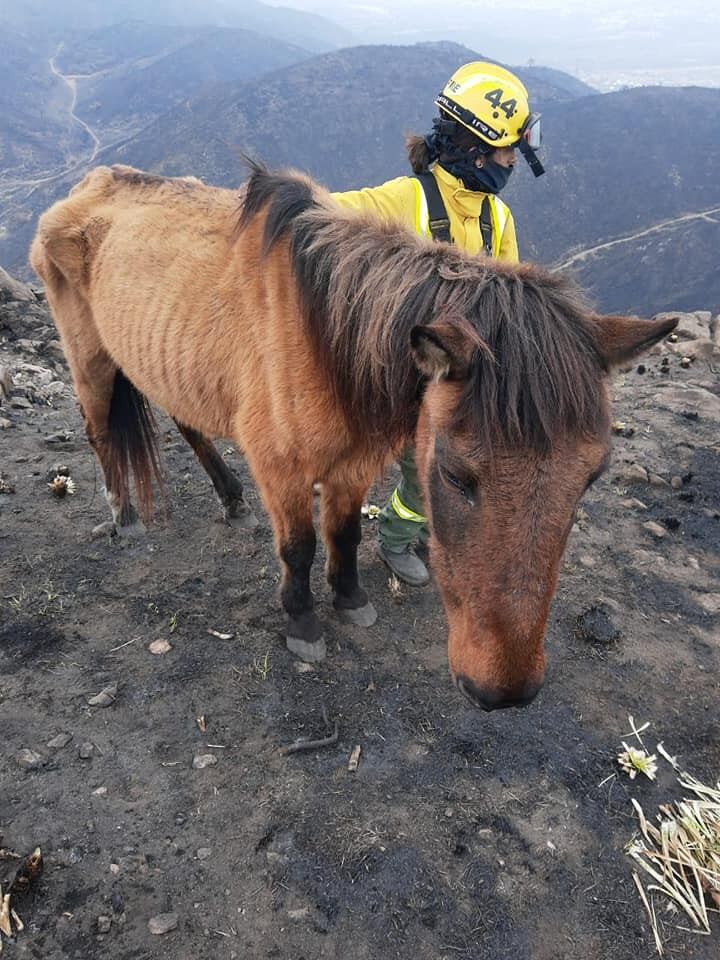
(106, 697)
(100, 792)
(202, 760)
(655, 529)
(60, 741)
(657, 481)
(202, 853)
(14, 290)
(690, 402)
(676, 483)
(710, 602)
(6, 485)
(623, 429)
(691, 326)
(159, 647)
(86, 750)
(5, 424)
(632, 503)
(634, 473)
(6, 383)
(117, 902)
(105, 529)
(20, 403)
(62, 436)
(58, 470)
(596, 626)
(104, 924)
(29, 760)
(53, 349)
(162, 923)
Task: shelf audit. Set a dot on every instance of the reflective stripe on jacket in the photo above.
(403, 199)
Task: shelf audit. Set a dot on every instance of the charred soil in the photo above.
(461, 835)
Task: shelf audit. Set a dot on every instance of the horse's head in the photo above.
(514, 427)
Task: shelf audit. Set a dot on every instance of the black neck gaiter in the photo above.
(490, 178)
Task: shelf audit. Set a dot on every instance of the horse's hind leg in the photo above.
(341, 531)
(227, 484)
(97, 380)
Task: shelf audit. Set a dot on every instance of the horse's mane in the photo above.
(364, 285)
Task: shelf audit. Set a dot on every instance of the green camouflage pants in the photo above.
(402, 521)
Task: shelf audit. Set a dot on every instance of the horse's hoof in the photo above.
(131, 531)
(240, 516)
(309, 651)
(303, 637)
(364, 616)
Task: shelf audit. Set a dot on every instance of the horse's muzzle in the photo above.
(488, 698)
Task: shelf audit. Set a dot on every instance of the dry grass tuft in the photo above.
(682, 853)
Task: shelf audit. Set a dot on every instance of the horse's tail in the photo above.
(132, 443)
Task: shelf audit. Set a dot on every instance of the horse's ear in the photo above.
(621, 339)
(444, 349)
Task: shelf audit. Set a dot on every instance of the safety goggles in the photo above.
(530, 140)
(531, 132)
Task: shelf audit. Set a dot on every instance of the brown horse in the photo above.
(321, 342)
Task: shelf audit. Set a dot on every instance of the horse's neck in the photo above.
(385, 399)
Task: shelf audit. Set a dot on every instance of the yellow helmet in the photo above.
(490, 101)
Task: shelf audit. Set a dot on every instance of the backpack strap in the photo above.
(439, 222)
(486, 226)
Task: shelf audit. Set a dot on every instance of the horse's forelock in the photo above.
(545, 378)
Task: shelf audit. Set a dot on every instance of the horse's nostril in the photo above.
(488, 698)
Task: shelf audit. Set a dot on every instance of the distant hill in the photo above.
(669, 267)
(341, 116)
(147, 71)
(618, 162)
(121, 44)
(34, 136)
(62, 16)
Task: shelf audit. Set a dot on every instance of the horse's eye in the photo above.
(460, 485)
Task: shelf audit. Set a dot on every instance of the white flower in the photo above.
(633, 761)
(61, 485)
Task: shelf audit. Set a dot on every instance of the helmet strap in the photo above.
(532, 158)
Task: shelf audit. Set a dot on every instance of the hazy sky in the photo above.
(583, 36)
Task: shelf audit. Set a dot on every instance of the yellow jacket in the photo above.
(403, 199)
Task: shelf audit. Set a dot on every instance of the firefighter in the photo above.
(459, 169)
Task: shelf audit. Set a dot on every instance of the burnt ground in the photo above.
(462, 835)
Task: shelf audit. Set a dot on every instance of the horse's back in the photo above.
(71, 233)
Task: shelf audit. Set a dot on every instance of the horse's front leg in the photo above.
(289, 502)
(303, 634)
(341, 532)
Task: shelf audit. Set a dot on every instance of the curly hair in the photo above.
(418, 151)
